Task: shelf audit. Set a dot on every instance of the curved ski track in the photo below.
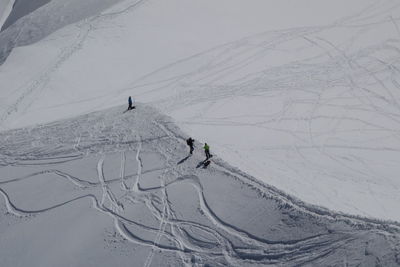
(210, 237)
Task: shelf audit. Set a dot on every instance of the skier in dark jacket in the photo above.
(207, 151)
(130, 107)
(190, 143)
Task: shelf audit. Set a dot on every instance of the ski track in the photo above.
(176, 234)
(338, 102)
(27, 92)
(139, 165)
(122, 171)
(106, 134)
(27, 96)
(368, 77)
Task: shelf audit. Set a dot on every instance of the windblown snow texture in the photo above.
(113, 189)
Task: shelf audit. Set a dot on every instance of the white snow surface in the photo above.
(304, 95)
(119, 189)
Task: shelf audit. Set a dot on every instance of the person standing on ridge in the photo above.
(190, 143)
(130, 102)
(207, 151)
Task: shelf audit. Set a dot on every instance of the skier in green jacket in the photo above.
(207, 151)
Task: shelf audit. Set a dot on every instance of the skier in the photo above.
(190, 143)
(207, 151)
(130, 107)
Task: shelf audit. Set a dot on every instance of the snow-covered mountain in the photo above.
(302, 95)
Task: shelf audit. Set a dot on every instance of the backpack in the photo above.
(189, 141)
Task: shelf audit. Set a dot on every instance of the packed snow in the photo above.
(119, 189)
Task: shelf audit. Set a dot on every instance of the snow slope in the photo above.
(304, 96)
(50, 17)
(21, 8)
(5, 10)
(113, 189)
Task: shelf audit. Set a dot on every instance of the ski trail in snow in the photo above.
(122, 171)
(107, 193)
(76, 181)
(176, 211)
(162, 225)
(227, 249)
(101, 179)
(128, 235)
(26, 96)
(282, 196)
(251, 240)
(135, 186)
(10, 207)
(44, 77)
(162, 217)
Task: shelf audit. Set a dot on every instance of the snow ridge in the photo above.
(6, 12)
